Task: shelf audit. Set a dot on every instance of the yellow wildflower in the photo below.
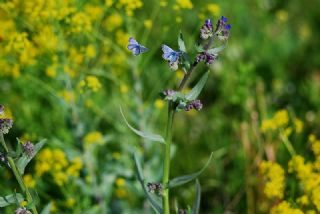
(159, 103)
(214, 9)
(51, 71)
(147, 23)
(90, 51)
(122, 38)
(282, 15)
(303, 200)
(91, 83)
(124, 88)
(70, 202)
(80, 23)
(29, 181)
(121, 193)
(298, 125)
(281, 118)
(285, 208)
(183, 4)
(113, 21)
(93, 138)
(274, 174)
(120, 182)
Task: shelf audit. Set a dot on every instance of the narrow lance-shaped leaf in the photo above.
(182, 46)
(46, 209)
(155, 204)
(148, 136)
(10, 199)
(196, 204)
(186, 178)
(196, 90)
(216, 50)
(23, 161)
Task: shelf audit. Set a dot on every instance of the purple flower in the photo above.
(170, 55)
(5, 125)
(155, 188)
(206, 30)
(195, 104)
(135, 47)
(206, 57)
(22, 210)
(223, 29)
(169, 94)
(28, 149)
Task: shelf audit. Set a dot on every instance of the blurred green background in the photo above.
(65, 71)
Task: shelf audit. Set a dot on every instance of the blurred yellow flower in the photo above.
(29, 181)
(91, 83)
(124, 88)
(282, 15)
(147, 23)
(94, 137)
(214, 9)
(159, 103)
(70, 202)
(51, 71)
(113, 21)
(90, 51)
(121, 193)
(285, 208)
(275, 179)
(120, 182)
(163, 3)
(298, 125)
(122, 38)
(183, 4)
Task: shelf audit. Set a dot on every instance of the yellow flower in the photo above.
(113, 21)
(281, 118)
(282, 15)
(163, 3)
(23, 203)
(75, 167)
(93, 138)
(214, 9)
(124, 88)
(122, 38)
(285, 208)
(120, 182)
(51, 71)
(108, 3)
(159, 103)
(184, 4)
(67, 96)
(147, 23)
(121, 193)
(91, 83)
(80, 23)
(298, 125)
(267, 125)
(303, 200)
(29, 181)
(70, 202)
(275, 179)
(90, 51)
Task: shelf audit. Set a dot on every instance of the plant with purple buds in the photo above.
(179, 101)
(16, 161)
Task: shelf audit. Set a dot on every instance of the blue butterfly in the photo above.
(169, 54)
(135, 47)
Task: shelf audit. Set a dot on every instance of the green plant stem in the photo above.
(166, 167)
(18, 176)
(288, 144)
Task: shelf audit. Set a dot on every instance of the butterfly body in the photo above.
(169, 54)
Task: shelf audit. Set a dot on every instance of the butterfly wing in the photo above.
(143, 49)
(166, 49)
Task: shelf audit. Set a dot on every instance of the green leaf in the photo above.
(46, 209)
(23, 161)
(186, 178)
(199, 48)
(196, 204)
(149, 136)
(10, 199)
(196, 90)
(216, 50)
(155, 204)
(182, 46)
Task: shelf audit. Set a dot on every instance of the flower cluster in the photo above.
(274, 177)
(55, 163)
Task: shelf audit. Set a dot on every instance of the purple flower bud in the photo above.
(1, 109)
(182, 211)
(195, 104)
(206, 57)
(5, 125)
(206, 30)
(22, 210)
(28, 149)
(155, 188)
(223, 29)
(169, 93)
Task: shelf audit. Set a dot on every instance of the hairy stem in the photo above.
(18, 176)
